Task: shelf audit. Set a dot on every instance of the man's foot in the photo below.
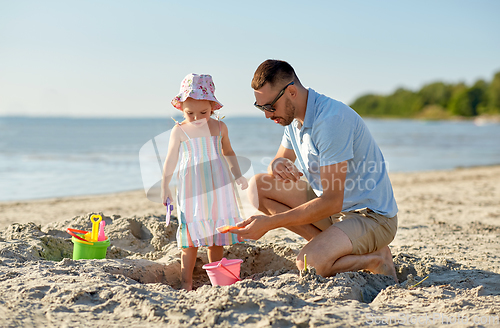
(382, 263)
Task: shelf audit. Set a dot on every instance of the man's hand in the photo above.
(285, 170)
(253, 228)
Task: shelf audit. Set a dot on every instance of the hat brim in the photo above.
(181, 97)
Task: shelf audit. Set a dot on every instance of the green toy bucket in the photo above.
(83, 251)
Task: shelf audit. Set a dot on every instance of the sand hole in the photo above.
(167, 270)
(139, 230)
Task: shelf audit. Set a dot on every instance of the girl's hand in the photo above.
(242, 181)
(166, 194)
(285, 170)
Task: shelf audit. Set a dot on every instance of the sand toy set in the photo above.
(90, 244)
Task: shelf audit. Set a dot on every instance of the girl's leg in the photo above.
(188, 260)
(215, 253)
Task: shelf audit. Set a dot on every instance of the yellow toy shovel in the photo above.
(95, 227)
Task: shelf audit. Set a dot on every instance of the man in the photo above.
(346, 209)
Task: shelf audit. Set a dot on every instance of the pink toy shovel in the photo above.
(101, 236)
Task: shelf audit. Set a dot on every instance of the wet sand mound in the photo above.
(138, 282)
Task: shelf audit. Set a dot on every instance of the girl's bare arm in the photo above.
(228, 152)
(170, 162)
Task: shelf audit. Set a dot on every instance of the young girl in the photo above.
(205, 197)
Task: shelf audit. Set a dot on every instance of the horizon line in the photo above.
(111, 117)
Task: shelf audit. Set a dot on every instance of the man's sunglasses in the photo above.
(269, 107)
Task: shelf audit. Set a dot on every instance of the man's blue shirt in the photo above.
(332, 133)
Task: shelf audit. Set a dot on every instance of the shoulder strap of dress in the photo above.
(180, 127)
(220, 130)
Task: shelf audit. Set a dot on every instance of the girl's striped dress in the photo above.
(205, 198)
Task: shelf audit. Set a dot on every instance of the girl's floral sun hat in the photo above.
(199, 87)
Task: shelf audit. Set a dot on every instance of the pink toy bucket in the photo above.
(224, 272)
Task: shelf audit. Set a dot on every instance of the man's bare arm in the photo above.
(330, 202)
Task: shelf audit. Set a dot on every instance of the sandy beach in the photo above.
(449, 235)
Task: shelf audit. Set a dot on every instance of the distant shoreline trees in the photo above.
(437, 100)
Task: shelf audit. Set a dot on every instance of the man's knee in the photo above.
(263, 182)
(258, 185)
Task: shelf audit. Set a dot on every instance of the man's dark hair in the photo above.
(275, 72)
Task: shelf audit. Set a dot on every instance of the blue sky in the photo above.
(127, 58)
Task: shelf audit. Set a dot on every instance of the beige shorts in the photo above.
(367, 230)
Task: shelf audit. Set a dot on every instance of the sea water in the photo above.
(56, 157)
